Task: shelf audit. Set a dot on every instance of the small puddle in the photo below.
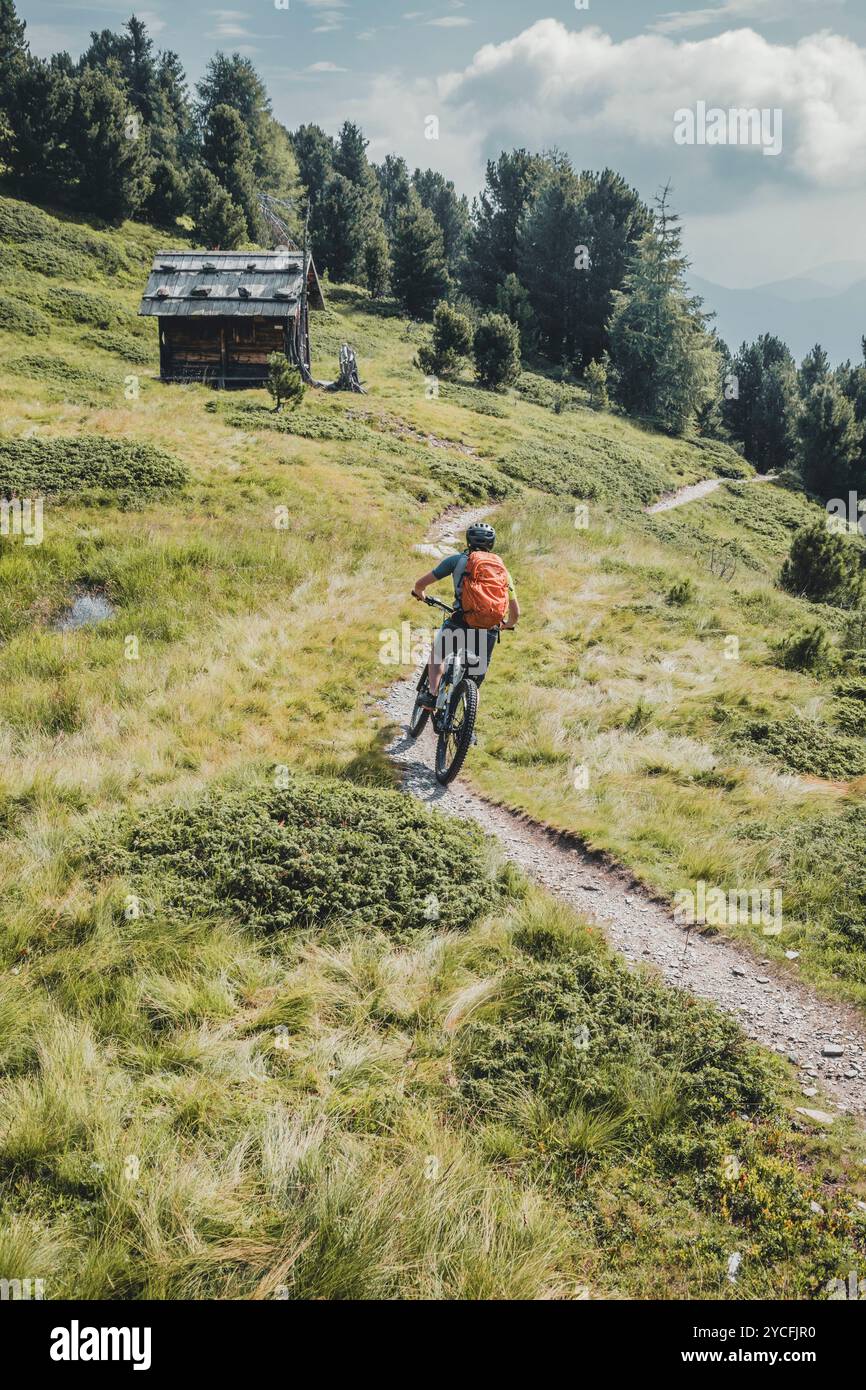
(87, 609)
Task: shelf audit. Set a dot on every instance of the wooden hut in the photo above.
(222, 313)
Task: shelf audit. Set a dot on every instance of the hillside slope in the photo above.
(269, 1028)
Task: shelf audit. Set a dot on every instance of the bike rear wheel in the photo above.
(419, 715)
(456, 738)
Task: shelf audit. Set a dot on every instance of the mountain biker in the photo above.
(488, 585)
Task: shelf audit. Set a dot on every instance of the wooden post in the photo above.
(223, 358)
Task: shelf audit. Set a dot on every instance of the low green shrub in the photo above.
(16, 317)
(141, 352)
(68, 466)
(853, 688)
(681, 593)
(306, 424)
(803, 745)
(67, 381)
(810, 650)
(472, 398)
(83, 306)
(318, 852)
(823, 566)
(592, 468)
(834, 899)
(849, 716)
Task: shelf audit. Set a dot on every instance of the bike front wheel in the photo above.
(456, 737)
(420, 714)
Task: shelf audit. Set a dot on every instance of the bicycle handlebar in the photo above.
(436, 603)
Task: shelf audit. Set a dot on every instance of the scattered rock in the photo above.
(819, 1116)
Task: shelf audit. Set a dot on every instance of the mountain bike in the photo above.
(456, 708)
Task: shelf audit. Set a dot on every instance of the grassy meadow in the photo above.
(257, 1039)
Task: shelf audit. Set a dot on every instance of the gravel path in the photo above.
(823, 1039)
(695, 490)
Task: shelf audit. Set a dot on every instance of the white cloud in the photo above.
(155, 23)
(583, 90)
(737, 11)
(230, 24)
(325, 67)
(448, 21)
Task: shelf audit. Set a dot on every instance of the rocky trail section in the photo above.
(823, 1039)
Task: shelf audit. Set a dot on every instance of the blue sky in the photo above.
(601, 81)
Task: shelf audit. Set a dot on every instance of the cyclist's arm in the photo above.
(513, 613)
(423, 583)
(440, 571)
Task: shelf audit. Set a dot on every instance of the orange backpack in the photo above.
(484, 591)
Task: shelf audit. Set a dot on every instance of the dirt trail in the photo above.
(825, 1040)
(693, 491)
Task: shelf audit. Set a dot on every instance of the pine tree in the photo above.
(394, 187)
(452, 214)
(450, 342)
(496, 348)
(814, 368)
(234, 82)
(110, 149)
(14, 57)
(761, 409)
(377, 263)
(227, 153)
(284, 381)
(168, 198)
(340, 230)
(350, 160)
(663, 354)
(550, 234)
(36, 150)
(512, 300)
(596, 381)
(612, 221)
(419, 276)
(314, 152)
(512, 183)
(829, 443)
(219, 223)
(823, 567)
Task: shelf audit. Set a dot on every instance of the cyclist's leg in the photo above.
(482, 644)
(451, 637)
(436, 664)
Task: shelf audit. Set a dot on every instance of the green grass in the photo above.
(268, 1027)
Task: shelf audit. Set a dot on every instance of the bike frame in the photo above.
(452, 674)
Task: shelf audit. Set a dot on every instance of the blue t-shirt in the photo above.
(455, 565)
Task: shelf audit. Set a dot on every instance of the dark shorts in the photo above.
(475, 644)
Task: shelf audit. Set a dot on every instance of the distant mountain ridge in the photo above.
(825, 305)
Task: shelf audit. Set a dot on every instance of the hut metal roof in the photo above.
(272, 281)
